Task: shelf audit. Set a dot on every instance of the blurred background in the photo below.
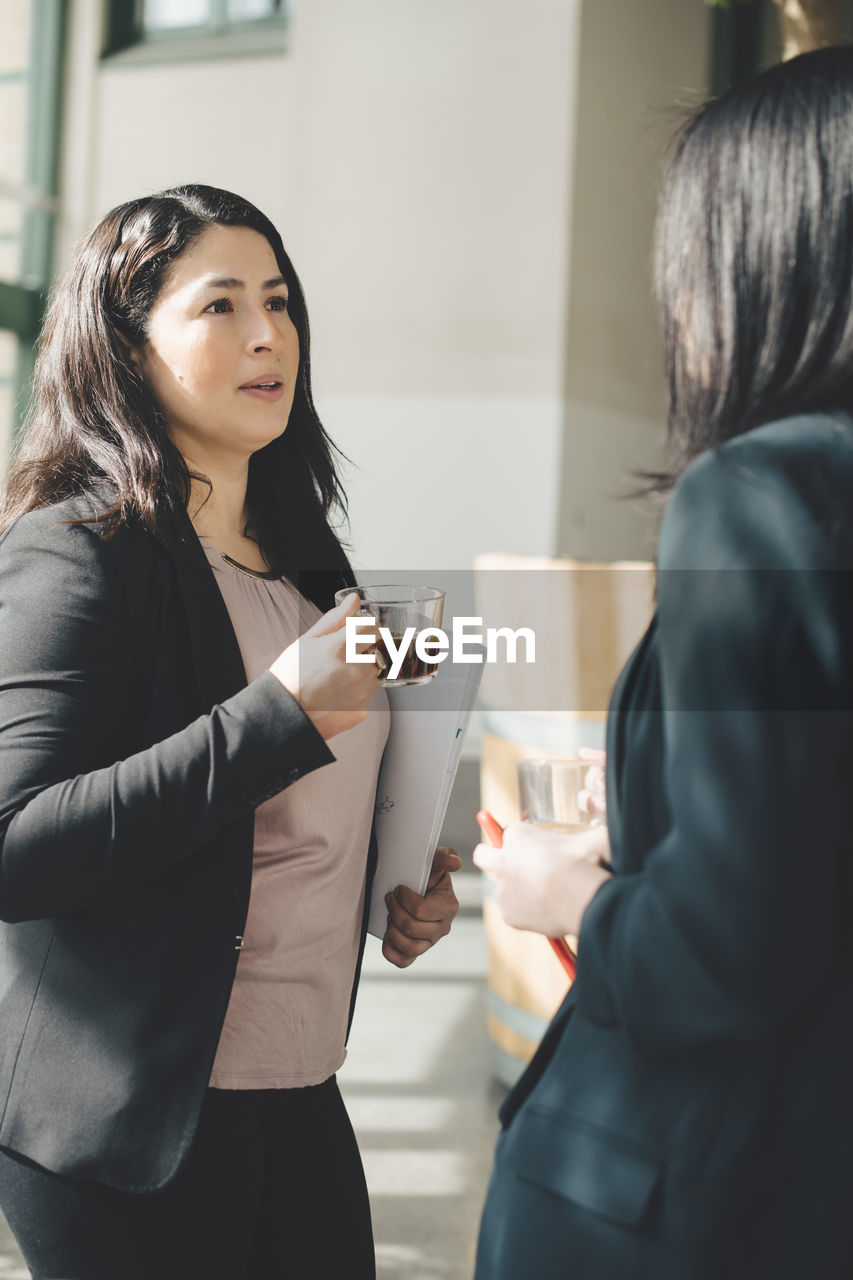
(467, 190)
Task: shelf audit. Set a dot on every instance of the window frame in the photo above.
(735, 45)
(126, 39)
(22, 301)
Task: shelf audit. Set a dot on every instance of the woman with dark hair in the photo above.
(688, 1114)
(168, 1104)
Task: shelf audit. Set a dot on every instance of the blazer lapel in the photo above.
(217, 660)
(619, 703)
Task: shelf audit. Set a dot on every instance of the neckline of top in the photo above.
(264, 575)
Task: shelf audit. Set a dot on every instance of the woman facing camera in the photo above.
(187, 775)
(689, 1113)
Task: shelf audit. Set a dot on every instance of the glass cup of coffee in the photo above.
(550, 794)
(403, 613)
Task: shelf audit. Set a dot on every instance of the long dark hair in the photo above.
(93, 417)
(754, 257)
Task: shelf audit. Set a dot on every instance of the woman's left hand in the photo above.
(416, 921)
(544, 880)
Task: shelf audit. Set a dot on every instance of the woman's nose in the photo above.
(263, 332)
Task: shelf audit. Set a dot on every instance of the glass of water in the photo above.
(550, 793)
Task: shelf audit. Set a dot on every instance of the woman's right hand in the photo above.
(333, 693)
(544, 880)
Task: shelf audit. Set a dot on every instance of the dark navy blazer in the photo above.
(132, 756)
(689, 1113)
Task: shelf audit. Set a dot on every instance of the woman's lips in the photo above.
(265, 393)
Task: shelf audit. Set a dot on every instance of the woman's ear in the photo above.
(133, 353)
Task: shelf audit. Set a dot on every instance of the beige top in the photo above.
(286, 1022)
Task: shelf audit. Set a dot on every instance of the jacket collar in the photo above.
(216, 655)
(616, 724)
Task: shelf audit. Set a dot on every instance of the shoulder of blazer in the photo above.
(776, 497)
(74, 527)
(81, 511)
(64, 544)
(133, 563)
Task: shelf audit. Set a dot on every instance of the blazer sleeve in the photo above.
(77, 822)
(728, 929)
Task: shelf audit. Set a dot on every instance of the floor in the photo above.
(418, 1089)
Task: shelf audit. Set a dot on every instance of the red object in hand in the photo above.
(494, 833)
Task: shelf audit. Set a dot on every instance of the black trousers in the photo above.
(273, 1189)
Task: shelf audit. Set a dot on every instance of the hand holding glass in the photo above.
(403, 612)
(552, 794)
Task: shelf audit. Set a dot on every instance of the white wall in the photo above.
(438, 478)
(640, 64)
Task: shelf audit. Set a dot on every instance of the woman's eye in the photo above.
(220, 307)
(278, 303)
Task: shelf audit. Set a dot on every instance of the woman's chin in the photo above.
(269, 439)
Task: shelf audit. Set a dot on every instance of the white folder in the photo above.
(428, 726)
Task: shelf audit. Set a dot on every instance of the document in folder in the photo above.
(428, 725)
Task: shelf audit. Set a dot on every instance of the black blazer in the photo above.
(132, 756)
(690, 1110)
